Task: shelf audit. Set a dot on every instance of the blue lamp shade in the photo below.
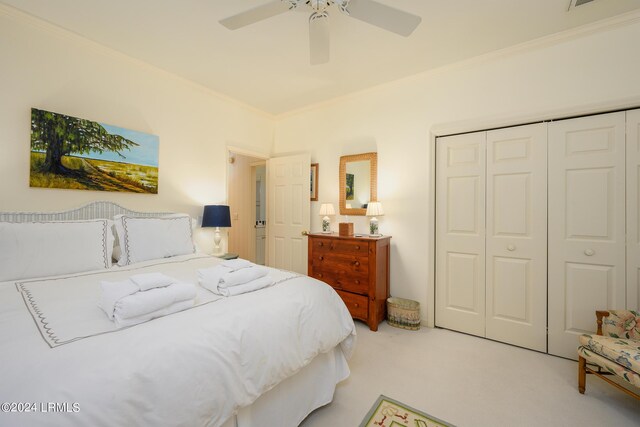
(216, 216)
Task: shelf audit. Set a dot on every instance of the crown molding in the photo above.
(604, 25)
(82, 41)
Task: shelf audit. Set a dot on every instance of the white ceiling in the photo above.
(266, 65)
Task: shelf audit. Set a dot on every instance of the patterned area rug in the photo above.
(387, 412)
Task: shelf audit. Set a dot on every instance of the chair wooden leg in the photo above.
(582, 374)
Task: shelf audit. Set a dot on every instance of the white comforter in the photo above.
(192, 368)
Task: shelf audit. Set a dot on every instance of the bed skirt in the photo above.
(291, 401)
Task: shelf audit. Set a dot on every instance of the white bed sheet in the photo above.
(196, 367)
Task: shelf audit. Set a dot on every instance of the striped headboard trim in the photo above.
(94, 210)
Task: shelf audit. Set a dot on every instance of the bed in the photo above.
(268, 357)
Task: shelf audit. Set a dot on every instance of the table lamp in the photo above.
(327, 210)
(374, 209)
(216, 216)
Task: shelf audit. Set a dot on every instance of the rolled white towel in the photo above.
(173, 308)
(237, 264)
(254, 285)
(152, 280)
(142, 303)
(112, 292)
(242, 276)
(211, 276)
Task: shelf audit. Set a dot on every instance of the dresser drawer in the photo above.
(343, 280)
(326, 245)
(345, 264)
(358, 305)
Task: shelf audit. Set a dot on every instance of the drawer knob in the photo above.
(357, 263)
(357, 247)
(356, 305)
(357, 282)
(319, 274)
(511, 248)
(321, 257)
(589, 252)
(321, 244)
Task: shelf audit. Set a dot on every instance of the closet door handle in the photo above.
(589, 252)
(511, 248)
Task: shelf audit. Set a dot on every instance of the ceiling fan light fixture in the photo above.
(369, 11)
(319, 5)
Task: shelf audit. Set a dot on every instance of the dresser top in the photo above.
(354, 237)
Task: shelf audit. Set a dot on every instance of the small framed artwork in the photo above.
(314, 182)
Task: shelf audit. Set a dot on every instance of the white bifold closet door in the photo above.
(586, 225)
(633, 207)
(491, 248)
(460, 233)
(516, 243)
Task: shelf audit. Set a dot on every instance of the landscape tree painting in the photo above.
(73, 153)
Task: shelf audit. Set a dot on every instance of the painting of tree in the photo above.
(69, 152)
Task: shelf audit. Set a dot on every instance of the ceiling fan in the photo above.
(369, 11)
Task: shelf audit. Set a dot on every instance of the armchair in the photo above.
(615, 350)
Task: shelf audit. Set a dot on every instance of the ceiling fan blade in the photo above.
(257, 14)
(319, 40)
(383, 16)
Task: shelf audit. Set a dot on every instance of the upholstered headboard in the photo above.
(93, 210)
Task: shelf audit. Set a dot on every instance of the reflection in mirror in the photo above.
(358, 182)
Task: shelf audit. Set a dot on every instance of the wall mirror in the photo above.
(358, 182)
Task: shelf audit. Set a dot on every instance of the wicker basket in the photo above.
(403, 313)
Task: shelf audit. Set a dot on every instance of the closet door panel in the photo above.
(633, 207)
(460, 233)
(516, 242)
(586, 225)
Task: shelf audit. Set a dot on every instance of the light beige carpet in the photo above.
(469, 381)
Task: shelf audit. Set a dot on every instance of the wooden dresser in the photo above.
(357, 268)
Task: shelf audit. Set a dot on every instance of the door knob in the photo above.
(305, 232)
(589, 252)
(511, 248)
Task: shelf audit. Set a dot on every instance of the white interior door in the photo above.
(288, 204)
(633, 207)
(586, 225)
(460, 233)
(516, 242)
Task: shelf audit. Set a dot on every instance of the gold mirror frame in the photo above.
(373, 172)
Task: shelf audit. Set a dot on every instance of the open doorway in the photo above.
(246, 189)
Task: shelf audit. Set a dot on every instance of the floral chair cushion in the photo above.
(624, 352)
(616, 369)
(622, 324)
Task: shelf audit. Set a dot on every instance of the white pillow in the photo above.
(38, 249)
(146, 238)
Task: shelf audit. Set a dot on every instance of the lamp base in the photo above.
(326, 225)
(373, 227)
(216, 239)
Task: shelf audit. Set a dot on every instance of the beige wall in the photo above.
(48, 68)
(398, 120)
